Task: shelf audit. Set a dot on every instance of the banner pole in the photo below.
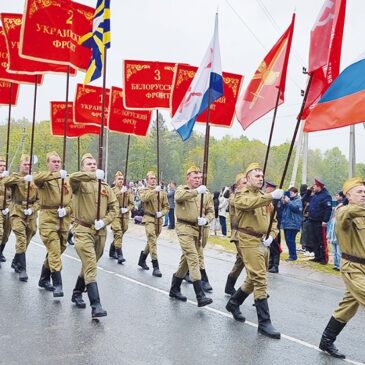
(125, 176)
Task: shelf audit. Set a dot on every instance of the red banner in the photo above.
(126, 121)
(147, 85)
(222, 110)
(5, 93)
(58, 110)
(88, 104)
(12, 25)
(52, 29)
(4, 60)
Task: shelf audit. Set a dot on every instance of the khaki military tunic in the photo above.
(120, 222)
(350, 231)
(5, 226)
(253, 213)
(24, 227)
(187, 210)
(52, 229)
(89, 243)
(152, 224)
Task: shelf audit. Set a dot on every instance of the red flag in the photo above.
(126, 121)
(51, 31)
(12, 25)
(5, 93)
(88, 104)
(325, 50)
(269, 79)
(58, 110)
(222, 110)
(147, 85)
(4, 61)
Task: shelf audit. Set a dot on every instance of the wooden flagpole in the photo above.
(157, 225)
(125, 176)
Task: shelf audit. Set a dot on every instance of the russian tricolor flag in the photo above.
(206, 87)
(343, 103)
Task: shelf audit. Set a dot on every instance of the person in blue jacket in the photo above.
(291, 220)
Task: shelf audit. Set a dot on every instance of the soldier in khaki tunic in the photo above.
(253, 212)
(5, 200)
(238, 266)
(120, 222)
(189, 222)
(23, 213)
(54, 220)
(152, 220)
(90, 233)
(350, 231)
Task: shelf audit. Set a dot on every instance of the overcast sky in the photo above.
(180, 31)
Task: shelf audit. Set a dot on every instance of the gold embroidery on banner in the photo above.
(87, 14)
(84, 90)
(184, 75)
(133, 69)
(170, 68)
(12, 23)
(232, 83)
(41, 4)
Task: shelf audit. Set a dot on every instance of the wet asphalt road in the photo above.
(145, 326)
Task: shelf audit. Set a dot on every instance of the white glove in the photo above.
(158, 214)
(28, 178)
(267, 242)
(277, 194)
(124, 189)
(99, 224)
(99, 174)
(202, 189)
(61, 212)
(5, 211)
(124, 210)
(201, 220)
(28, 211)
(158, 188)
(63, 174)
(5, 174)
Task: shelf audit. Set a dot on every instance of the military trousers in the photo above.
(5, 228)
(56, 243)
(238, 265)
(119, 227)
(90, 247)
(204, 239)
(151, 246)
(24, 229)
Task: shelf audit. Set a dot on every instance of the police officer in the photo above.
(238, 266)
(350, 231)
(54, 220)
(152, 220)
(120, 222)
(189, 223)
(23, 213)
(253, 219)
(90, 233)
(5, 200)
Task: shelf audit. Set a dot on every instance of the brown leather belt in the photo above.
(82, 223)
(249, 232)
(49, 206)
(358, 260)
(183, 221)
(23, 202)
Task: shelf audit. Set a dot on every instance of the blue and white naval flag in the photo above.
(206, 87)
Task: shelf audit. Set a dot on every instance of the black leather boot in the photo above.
(119, 253)
(96, 308)
(156, 269)
(175, 289)
(329, 336)
(77, 293)
(263, 315)
(112, 253)
(275, 264)
(45, 279)
(57, 283)
(231, 281)
(234, 303)
(200, 296)
(205, 281)
(2, 257)
(22, 265)
(142, 261)
(187, 278)
(69, 238)
(15, 263)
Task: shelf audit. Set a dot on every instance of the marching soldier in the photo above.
(5, 200)
(120, 222)
(189, 223)
(350, 224)
(54, 220)
(90, 233)
(253, 215)
(23, 213)
(152, 220)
